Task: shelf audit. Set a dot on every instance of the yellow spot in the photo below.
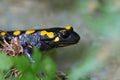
(62, 30)
(42, 33)
(50, 34)
(29, 31)
(29, 46)
(56, 39)
(68, 27)
(2, 33)
(17, 32)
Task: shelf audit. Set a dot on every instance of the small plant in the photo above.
(43, 69)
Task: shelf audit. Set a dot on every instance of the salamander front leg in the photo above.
(27, 52)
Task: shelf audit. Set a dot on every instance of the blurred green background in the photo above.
(96, 56)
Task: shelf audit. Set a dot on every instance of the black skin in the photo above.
(44, 43)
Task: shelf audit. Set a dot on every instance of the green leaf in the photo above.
(49, 66)
(5, 62)
(36, 55)
(21, 63)
(28, 76)
(1, 75)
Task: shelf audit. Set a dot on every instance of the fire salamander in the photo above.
(44, 39)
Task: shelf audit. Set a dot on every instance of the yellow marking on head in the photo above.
(50, 34)
(56, 39)
(42, 33)
(68, 27)
(29, 46)
(62, 30)
(2, 33)
(17, 32)
(29, 31)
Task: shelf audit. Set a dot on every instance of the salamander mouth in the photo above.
(66, 43)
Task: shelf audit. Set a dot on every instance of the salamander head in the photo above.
(59, 37)
(66, 37)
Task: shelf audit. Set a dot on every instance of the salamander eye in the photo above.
(64, 34)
